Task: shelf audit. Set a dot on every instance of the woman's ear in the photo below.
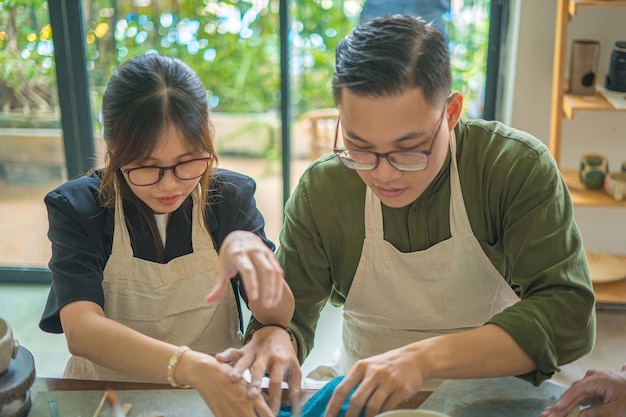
(455, 105)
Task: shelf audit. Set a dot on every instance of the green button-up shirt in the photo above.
(520, 212)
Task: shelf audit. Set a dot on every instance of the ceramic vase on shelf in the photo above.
(593, 169)
(584, 66)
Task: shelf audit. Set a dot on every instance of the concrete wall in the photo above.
(603, 229)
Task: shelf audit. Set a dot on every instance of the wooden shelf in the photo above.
(563, 104)
(582, 196)
(573, 4)
(610, 295)
(573, 102)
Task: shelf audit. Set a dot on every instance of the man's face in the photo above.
(402, 122)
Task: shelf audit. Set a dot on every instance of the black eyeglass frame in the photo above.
(338, 151)
(162, 170)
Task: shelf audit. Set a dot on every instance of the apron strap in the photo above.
(199, 230)
(373, 215)
(459, 222)
(121, 237)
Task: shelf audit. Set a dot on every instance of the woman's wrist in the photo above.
(192, 366)
(173, 364)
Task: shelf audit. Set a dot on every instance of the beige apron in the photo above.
(164, 301)
(399, 298)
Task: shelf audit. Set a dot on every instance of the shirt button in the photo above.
(417, 207)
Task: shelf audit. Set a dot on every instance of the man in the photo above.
(450, 243)
(604, 393)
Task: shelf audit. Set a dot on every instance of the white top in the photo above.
(161, 222)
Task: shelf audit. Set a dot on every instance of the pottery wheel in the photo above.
(15, 383)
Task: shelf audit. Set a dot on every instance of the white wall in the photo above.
(604, 229)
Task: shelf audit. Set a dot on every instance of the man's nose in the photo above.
(384, 171)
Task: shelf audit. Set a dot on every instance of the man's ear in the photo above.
(455, 105)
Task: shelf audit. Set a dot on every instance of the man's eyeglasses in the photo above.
(402, 160)
(150, 175)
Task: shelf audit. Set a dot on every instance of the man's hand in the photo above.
(384, 381)
(269, 352)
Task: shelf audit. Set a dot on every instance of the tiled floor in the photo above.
(22, 305)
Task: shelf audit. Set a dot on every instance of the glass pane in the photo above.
(468, 28)
(233, 46)
(32, 159)
(320, 24)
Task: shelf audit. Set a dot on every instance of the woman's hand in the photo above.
(603, 392)
(269, 352)
(225, 398)
(245, 253)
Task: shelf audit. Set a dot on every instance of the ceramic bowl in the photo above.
(411, 413)
(615, 185)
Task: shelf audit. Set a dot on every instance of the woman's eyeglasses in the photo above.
(402, 160)
(150, 175)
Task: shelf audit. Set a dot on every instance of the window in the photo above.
(235, 48)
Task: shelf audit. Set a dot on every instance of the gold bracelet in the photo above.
(171, 367)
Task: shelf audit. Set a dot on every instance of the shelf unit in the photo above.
(565, 105)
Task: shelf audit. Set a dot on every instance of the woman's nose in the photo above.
(169, 178)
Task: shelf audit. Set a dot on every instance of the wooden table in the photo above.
(58, 384)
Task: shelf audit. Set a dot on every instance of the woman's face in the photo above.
(167, 195)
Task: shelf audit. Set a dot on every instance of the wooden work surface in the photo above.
(46, 385)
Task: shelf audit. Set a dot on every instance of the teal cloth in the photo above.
(316, 405)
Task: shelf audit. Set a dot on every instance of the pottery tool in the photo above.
(100, 404)
(126, 408)
(114, 403)
(54, 410)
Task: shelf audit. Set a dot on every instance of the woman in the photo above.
(134, 246)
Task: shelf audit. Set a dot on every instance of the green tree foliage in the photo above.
(233, 45)
(28, 95)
